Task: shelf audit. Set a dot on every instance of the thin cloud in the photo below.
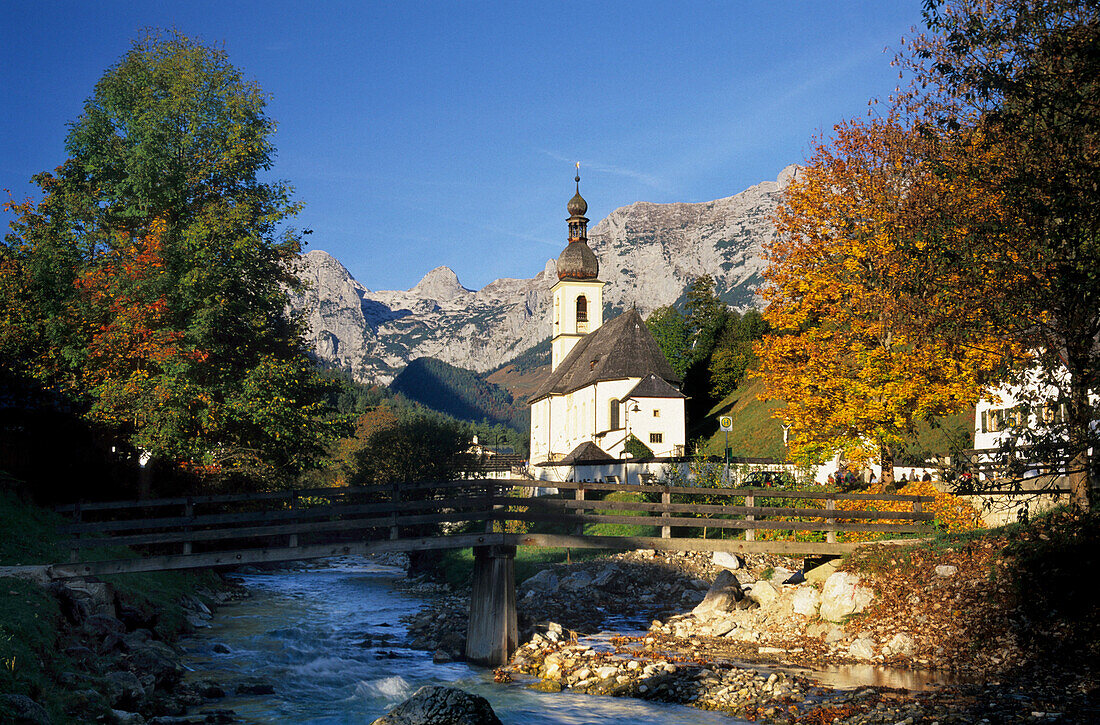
(641, 177)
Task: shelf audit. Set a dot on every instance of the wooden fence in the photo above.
(196, 531)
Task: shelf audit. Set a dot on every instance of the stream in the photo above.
(330, 641)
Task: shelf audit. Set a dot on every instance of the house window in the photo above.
(656, 437)
(613, 414)
(582, 309)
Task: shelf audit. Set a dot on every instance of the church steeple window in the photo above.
(582, 309)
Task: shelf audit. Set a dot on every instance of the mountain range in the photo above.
(649, 253)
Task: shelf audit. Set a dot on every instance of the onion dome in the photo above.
(577, 261)
(577, 206)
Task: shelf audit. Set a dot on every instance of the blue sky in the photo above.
(421, 134)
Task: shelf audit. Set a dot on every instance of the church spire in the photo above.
(577, 261)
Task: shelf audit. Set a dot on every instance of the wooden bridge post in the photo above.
(188, 513)
(579, 496)
(830, 536)
(74, 552)
(493, 632)
(293, 505)
(666, 499)
(395, 497)
(750, 501)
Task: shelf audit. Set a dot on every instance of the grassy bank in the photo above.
(34, 634)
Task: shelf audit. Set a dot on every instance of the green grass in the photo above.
(755, 432)
(608, 529)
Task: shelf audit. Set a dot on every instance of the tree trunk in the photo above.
(886, 457)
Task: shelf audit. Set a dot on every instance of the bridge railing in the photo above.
(296, 520)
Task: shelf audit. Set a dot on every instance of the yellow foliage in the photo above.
(851, 299)
(950, 513)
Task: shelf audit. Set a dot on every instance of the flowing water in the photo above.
(331, 643)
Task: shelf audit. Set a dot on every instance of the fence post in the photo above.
(830, 535)
(750, 501)
(666, 499)
(293, 506)
(579, 496)
(918, 507)
(74, 552)
(188, 513)
(395, 498)
(489, 507)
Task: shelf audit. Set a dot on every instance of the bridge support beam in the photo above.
(493, 633)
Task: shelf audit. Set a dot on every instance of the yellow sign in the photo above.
(726, 422)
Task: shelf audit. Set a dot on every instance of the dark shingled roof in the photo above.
(622, 348)
(652, 386)
(587, 452)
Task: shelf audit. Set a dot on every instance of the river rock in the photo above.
(159, 660)
(862, 648)
(726, 560)
(763, 593)
(577, 581)
(820, 573)
(124, 717)
(946, 570)
(723, 596)
(806, 601)
(844, 594)
(434, 705)
(26, 710)
(900, 645)
(124, 689)
(544, 581)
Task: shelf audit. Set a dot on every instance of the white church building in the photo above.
(607, 382)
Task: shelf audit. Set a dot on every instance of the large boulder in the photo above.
(544, 581)
(434, 705)
(820, 573)
(725, 595)
(843, 595)
(806, 601)
(25, 710)
(763, 593)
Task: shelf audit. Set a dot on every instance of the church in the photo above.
(607, 382)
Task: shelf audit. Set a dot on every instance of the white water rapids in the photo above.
(330, 642)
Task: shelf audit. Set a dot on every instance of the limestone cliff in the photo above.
(648, 254)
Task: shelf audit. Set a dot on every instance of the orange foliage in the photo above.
(951, 513)
(133, 344)
(851, 298)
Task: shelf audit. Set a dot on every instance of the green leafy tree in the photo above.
(158, 229)
(669, 328)
(733, 354)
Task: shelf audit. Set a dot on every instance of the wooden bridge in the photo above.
(491, 516)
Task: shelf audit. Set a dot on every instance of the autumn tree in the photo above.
(1016, 84)
(845, 354)
(153, 274)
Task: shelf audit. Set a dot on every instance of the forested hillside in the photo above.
(458, 393)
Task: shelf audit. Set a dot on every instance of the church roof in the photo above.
(621, 348)
(587, 452)
(652, 386)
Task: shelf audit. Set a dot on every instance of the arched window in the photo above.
(613, 415)
(582, 309)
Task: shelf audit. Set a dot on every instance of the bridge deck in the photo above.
(236, 529)
(323, 551)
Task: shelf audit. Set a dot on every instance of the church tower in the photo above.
(578, 294)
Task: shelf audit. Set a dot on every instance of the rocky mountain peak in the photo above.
(649, 253)
(440, 284)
